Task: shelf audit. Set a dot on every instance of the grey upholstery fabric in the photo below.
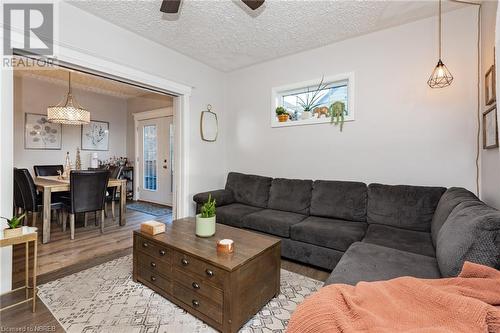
(341, 200)
(405, 240)
(222, 197)
(310, 254)
(274, 222)
(232, 214)
(291, 195)
(402, 206)
(370, 262)
(332, 233)
(249, 189)
(471, 233)
(450, 199)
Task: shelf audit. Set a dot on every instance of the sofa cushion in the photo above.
(341, 200)
(274, 222)
(450, 199)
(331, 233)
(406, 240)
(291, 195)
(370, 262)
(232, 214)
(403, 206)
(249, 189)
(471, 233)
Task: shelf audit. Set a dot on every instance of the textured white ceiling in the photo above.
(226, 35)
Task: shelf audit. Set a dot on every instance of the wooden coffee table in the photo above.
(223, 290)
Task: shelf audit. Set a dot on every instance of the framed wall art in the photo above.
(489, 86)
(490, 128)
(95, 136)
(40, 134)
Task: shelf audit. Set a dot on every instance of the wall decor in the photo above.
(489, 86)
(95, 135)
(40, 134)
(490, 128)
(209, 125)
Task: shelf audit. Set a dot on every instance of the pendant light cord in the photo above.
(439, 37)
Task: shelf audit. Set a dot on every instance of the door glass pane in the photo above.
(150, 157)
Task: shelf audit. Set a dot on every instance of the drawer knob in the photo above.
(153, 264)
(153, 278)
(195, 285)
(144, 244)
(195, 303)
(184, 262)
(162, 252)
(209, 272)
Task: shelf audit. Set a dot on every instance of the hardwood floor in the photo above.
(63, 256)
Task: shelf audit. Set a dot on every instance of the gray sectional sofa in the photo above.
(364, 233)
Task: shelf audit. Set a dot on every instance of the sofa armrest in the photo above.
(222, 197)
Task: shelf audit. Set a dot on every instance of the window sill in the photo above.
(311, 121)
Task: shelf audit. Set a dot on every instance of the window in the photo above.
(150, 157)
(309, 102)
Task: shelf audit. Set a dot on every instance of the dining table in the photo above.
(54, 184)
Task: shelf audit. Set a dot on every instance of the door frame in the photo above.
(78, 59)
(146, 115)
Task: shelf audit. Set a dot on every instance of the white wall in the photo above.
(490, 158)
(404, 132)
(33, 96)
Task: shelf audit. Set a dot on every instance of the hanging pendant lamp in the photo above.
(69, 112)
(441, 76)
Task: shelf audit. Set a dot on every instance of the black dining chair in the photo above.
(32, 202)
(18, 198)
(87, 194)
(115, 173)
(48, 170)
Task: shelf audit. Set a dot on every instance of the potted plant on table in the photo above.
(282, 114)
(205, 221)
(15, 224)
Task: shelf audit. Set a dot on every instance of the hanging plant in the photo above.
(337, 114)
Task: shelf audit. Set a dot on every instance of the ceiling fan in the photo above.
(172, 6)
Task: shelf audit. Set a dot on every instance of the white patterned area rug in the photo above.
(105, 299)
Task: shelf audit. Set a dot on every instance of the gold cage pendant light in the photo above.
(69, 112)
(441, 76)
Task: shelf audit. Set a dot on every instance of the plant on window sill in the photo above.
(282, 114)
(311, 101)
(337, 114)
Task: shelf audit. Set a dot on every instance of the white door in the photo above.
(155, 164)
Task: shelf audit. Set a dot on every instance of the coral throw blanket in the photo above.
(468, 303)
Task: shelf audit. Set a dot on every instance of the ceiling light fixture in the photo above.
(441, 76)
(68, 112)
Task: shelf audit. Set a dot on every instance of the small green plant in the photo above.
(15, 222)
(337, 113)
(208, 208)
(280, 110)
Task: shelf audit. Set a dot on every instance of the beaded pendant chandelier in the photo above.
(441, 76)
(68, 111)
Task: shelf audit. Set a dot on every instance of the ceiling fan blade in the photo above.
(170, 6)
(253, 4)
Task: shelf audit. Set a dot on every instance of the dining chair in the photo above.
(115, 173)
(18, 198)
(87, 194)
(48, 170)
(32, 202)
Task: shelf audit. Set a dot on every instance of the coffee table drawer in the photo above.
(154, 278)
(153, 249)
(198, 302)
(155, 265)
(198, 285)
(209, 272)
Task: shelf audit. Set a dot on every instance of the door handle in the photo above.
(165, 167)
